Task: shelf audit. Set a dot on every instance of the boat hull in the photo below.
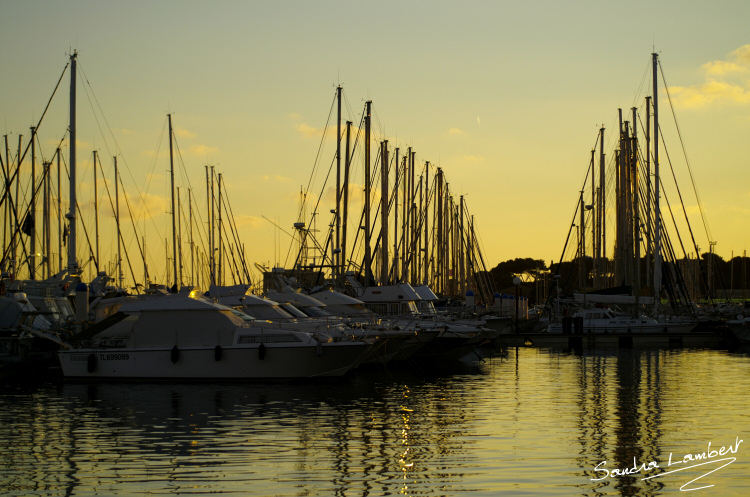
(232, 362)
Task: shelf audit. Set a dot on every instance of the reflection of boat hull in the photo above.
(740, 330)
(231, 362)
(634, 340)
(626, 328)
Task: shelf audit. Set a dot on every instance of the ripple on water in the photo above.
(531, 422)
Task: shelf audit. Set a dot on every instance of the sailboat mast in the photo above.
(413, 219)
(47, 179)
(117, 222)
(396, 170)
(649, 248)
(347, 163)
(59, 217)
(32, 209)
(657, 213)
(594, 212)
(636, 209)
(72, 262)
(213, 232)
(192, 247)
(171, 182)
(336, 250)
(425, 229)
(368, 255)
(384, 212)
(179, 235)
(6, 218)
(602, 210)
(221, 243)
(96, 214)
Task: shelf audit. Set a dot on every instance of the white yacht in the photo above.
(452, 340)
(175, 336)
(604, 321)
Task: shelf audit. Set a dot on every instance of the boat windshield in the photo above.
(271, 312)
(293, 310)
(317, 312)
(244, 317)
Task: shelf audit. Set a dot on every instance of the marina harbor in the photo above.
(324, 249)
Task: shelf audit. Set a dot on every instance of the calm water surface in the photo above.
(530, 422)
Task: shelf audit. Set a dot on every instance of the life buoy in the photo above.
(218, 352)
(174, 354)
(91, 363)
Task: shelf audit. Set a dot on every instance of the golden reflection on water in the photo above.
(529, 422)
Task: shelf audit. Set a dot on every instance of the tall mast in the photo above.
(171, 182)
(439, 204)
(336, 249)
(96, 214)
(179, 236)
(396, 169)
(594, 212)
(192, 247)
(347, 162)
(32, 209)
(47, 179)
(603, 206)
(413, 219)
(657, 213)
(648, 188)
(15, 240)
(59, 217)
(636, 212)
(384, 212)
(461, 252)
(117, 222)
(424, 221)
(407, 217)
(209, 217)
(404, 213)
(221, 243)
(368, 255)
(7, 228)
(72, 262)
(417, 234)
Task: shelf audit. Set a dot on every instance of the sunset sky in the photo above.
(507, 97)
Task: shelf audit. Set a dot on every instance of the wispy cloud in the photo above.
(248, 221)
(456, 131)
(202, 150)
(184, 133)
(308, 131)
(726, 82)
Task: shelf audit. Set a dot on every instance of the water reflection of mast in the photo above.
(592, 408)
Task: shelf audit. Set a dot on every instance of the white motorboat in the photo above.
(605, 321)
(175, 336)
